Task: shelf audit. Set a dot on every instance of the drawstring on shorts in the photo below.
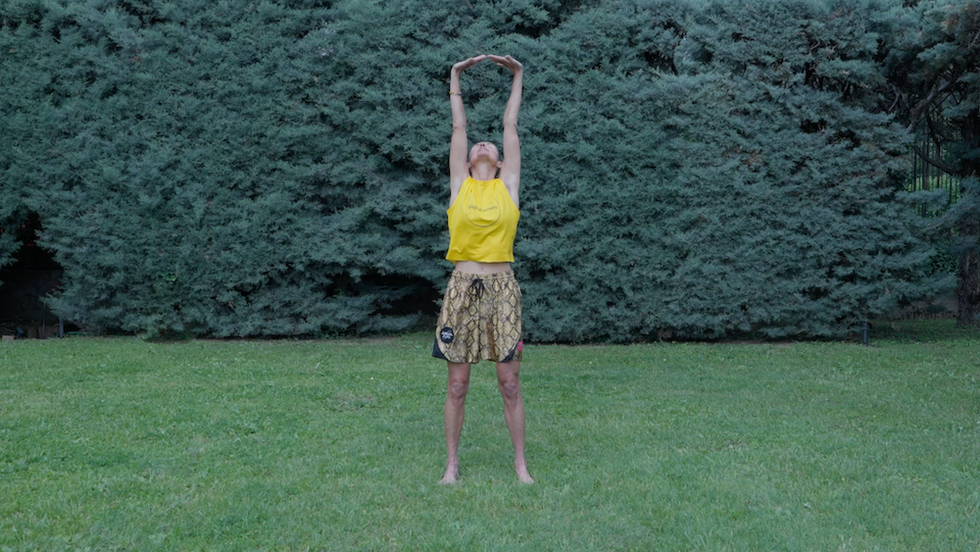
(477, 287)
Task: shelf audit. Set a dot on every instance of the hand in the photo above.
(467, 63)
(508, 62)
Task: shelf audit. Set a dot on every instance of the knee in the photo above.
(457, 389)
(510, 389)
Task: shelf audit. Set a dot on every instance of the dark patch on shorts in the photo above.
(446, 335)
(436, 351)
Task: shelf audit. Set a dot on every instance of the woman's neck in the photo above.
(483, 172)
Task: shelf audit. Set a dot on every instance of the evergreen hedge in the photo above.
(232, 169)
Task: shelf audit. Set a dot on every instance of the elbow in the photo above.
(459, 124)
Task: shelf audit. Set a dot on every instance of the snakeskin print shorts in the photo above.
(480, 319)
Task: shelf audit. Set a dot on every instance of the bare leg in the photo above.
(510, 390)
(456, 388)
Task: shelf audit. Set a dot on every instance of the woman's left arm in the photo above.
(510, 172)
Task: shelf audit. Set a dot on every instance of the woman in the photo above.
(481, 311)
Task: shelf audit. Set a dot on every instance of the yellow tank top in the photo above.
(482, 223)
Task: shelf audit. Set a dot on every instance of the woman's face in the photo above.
(485, 150)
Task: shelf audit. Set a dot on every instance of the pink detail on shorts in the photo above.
(520, 346)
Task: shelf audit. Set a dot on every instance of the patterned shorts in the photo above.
(480, 319)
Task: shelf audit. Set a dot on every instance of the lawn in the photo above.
(123, 444)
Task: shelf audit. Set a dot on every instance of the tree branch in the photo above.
(941, 165)
(917, 111)
(898, 97)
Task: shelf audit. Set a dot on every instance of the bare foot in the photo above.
(448, 479)
(452, 474)
(523, 475)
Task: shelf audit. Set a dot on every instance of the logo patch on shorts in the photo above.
(446, 335)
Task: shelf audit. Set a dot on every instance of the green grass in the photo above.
(121, 444)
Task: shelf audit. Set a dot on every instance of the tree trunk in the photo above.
(968, 292)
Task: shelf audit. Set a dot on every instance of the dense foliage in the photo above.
(690, 170)
(933, 69)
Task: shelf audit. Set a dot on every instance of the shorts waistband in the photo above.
(508, 275)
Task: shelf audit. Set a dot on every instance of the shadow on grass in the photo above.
(922, 331)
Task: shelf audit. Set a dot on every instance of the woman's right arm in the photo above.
(458, 148)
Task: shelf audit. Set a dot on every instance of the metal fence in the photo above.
(928, 176)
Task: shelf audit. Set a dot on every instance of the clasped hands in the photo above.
(503, 61)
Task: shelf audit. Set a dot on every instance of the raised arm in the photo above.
(510, 172)
(458, 147)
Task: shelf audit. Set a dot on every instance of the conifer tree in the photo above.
(15, 102)
(933, 84)
(729, 176)
(217, 168)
